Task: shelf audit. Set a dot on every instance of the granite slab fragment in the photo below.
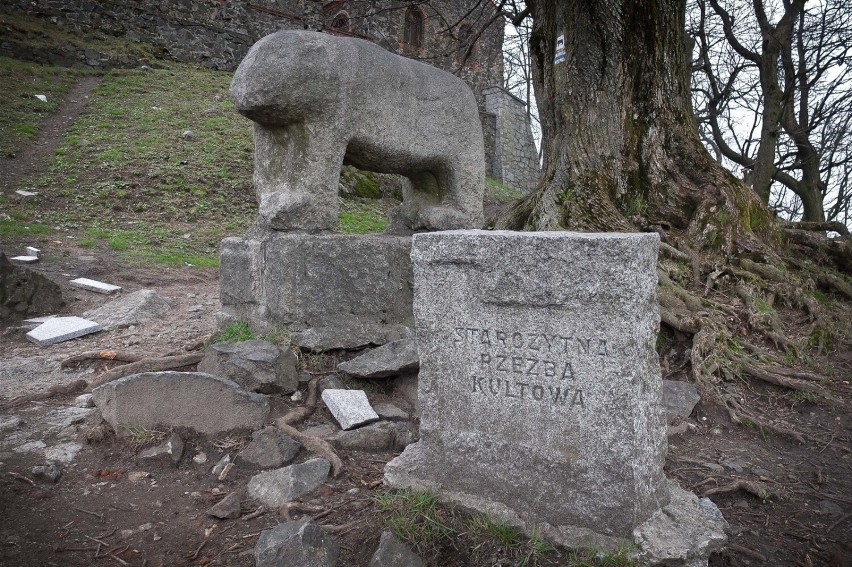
(59, 329)
(94, 285)
(350, 408)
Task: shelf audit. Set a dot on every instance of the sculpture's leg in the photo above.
(451, 199)
(296, 174)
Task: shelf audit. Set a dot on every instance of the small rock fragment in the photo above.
(24, 259)
(48, 472)
(269, 448)
(390, 412)
(394, 553)
(227, 508)
(391, 359)
(59, 329)
(220, 466)
(296, 543)
(84, 401)
(94, 285)
(274, 488)
(172, 448)
(349, 407)
(200, 458)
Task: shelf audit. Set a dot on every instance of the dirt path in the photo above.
(51, 131)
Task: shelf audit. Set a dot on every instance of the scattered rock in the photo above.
(94, 285)
(349, 407)
(228, 508)
(373, 438)
(296, 543)
(31, 251)
(23, 193)
(9, 422)
(394, 553)
(389, 411)
(84, 401)
(679, 399)
(220, 465)
(172, 399)
(48, 472)
(62, 418)
(200, 458)
(137, 476)
(187, 135)
(256, 365)
(59, 329)
(64, 452)
(391, 359)
(274, 488)
(30, 447)
(270, 448)
(132, 309)
(172, 448)
(24, 259)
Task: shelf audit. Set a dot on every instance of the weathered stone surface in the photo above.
(374, 437)
(208, 404)
(679, 399)
(390, 411)
(350, 408)
(48, 472)
(317, 99)
(538, 376)
(24, 291)
(60, 329)
(171, 448)
(94, 285)
(269, 448)
(132, 309)
(390, 359)
(228, 508)
(393, 553)
(256, 365)
(296, 543)
(84, 401)
(274, 488)
(683, 533)
(332, 290)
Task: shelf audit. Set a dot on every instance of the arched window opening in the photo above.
(340, 22)
(413, 32)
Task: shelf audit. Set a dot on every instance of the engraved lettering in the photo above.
(549, 341)
(583, 348)
(509, 394)
(537, 392)
(577, 400)
(522, 385)
(532, 364)
(549, 368)
(477, 383)
(564, 341)
(485, 359)
(517, 340)
(568, 372)
(501, 337)
(485, 338)
(601, 347)
(459, 336)
(471, 333)
(491, 385)
(500, 363)
(517, 364)
(557, 393)
(533, 344)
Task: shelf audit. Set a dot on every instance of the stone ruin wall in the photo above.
(218, 33)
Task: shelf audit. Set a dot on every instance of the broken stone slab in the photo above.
(296, 543)
(679, 399)
(683, 533)
(59, 329)
(269, 448)
(375, 437)
(274, 488)
(23, 193)
(257, 365)
(228, 508)
(84, 401)
(94, 285)
(207, 404)
(389, 411)
(132, 309)
(391, 359)
(171, 448)
(31, 251)
(24, 259)
(350, 408)
(394, 553)
(63, 452)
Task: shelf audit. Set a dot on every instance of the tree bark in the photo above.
(623, 150)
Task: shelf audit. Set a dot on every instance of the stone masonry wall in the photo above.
(515, 158)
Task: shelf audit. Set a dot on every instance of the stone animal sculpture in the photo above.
(320, 101)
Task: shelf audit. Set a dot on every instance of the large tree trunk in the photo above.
(623, 152)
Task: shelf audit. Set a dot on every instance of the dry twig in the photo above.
(58, 389)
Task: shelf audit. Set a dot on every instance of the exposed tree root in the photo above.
(299, 414)
(751, 487)
(314, 445)
(57, 390)
(146, 365)
(120, 355)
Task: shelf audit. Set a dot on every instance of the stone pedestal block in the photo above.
(540, 388)
(341, 291)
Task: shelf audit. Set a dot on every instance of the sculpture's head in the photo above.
(287, 77)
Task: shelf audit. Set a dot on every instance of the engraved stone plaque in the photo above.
(540, 388)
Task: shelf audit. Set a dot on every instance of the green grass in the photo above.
(21, 112)
(235, 332)
(416, 517)
(500, 192)
(19, 228)
(360, 218)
